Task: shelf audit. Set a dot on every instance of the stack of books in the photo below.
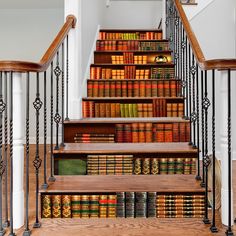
(109, 164)
(94, 138)
(180, 206)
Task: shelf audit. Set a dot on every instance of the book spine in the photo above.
(46, 206)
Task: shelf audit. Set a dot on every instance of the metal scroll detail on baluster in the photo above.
(206, 160)
(57, 117)
(37, 161)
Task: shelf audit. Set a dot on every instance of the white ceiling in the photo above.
(31, 4)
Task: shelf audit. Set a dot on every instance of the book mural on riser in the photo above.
(128, 165)
(123, 205)
(140, 133)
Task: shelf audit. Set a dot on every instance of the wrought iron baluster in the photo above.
(67, 78)
(183, 77)
(6, 223)
(186, 78)
(37, 161)
(198, 176)
(57, 117)
(190, 93)
(206, 160)
(203, 129)
(27, 230)
(2, 161)
(62, 94)
(177, 65)
(213, 225)
(51, 178)
(194, 114)
(229, 231)
(11, 152)
(45, 184)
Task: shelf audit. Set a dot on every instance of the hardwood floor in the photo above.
(115, 227)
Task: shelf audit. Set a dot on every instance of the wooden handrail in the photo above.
(43, 64)
(217, 64)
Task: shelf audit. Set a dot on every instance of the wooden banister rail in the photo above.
(43, 64)
(217, 64)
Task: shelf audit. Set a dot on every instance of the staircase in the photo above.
(132, 147)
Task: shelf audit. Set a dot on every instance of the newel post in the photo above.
(225, 151)
(73, 7)
(18, 151)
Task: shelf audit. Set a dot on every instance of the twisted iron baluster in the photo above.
(57, 117)
(213, 225)
(51, 178)
(183, 45)
(203, 129)
(67, 78)
(45, 184)
(62, 95)
(2, 161)
(11, 153)
(206, 160)
(37, 161)
(6, 223)
(186, 79)
(198, 177)
(190, 93)
(194, 115)
(229, 231)
(27, 231)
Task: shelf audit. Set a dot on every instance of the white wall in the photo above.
(215, 29)
(133, 14)
(25, 35)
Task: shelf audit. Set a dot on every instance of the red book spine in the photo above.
(118, 88)
(187, 132)
(119, 133)
(135, 131)
(142, 138)
(182, 132)
(100, 89)
(168, 133)
(160, 133)
(175, 132)
(124, 89)
(90, 88)
(130, 88)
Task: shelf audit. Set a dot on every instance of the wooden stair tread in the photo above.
(129, 120)
(143, 65)
(128, 98)
(124, 183)
(130, 30)
(109, 80)
(135, 51)
(92, 148)
(141, 40)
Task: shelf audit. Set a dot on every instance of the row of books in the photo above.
(94, 138)
(130, 72)
(142, 88)
(148, 132)
(128, 58)
(122, 205)
(109, 164)
(156, 166)
(131, 46)
(128, 165)
(130, 36)
(159, 108)
(78, 206)
(179, 206)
